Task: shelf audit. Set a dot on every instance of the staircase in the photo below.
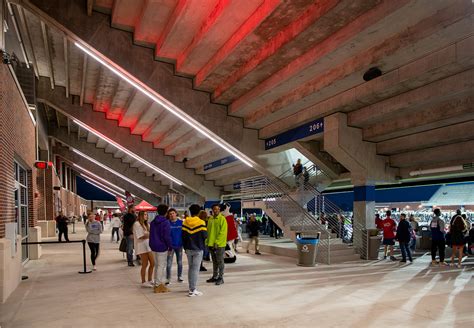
(284, 200)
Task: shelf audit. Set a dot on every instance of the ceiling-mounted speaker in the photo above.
(372, 73)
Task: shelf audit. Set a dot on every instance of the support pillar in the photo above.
(364, 209)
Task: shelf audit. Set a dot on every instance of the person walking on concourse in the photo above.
(438, 239)
(61, 222)
(403, 237)
(216, 241)
(94, 229)
(253, 228)
(194, 237)
(160, 244)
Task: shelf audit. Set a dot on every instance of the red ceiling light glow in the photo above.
(42, 165)
(165, 103)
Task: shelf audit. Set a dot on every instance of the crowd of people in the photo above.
(156, 242)
(457, 234)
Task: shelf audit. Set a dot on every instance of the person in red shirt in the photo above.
(389, 226)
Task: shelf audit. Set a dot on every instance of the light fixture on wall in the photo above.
(153, 95)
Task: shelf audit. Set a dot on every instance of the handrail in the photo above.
(83, 241)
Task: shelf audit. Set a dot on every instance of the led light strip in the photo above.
(103, 189)
(126, 151)
(85, 177)
(153, 95)
(111, 171)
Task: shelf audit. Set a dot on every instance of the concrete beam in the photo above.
(408, 102)
(433, 138)
(432, 116)
(461, 152)
(159, 76)
(318, 22)
(421, 39)
(345, 144)
(205, 158)
(437, 65)
(312, 150)
(228, 172)
(71, 157)
(97, 121)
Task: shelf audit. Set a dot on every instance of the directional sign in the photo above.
(300, 132)
(220, 162)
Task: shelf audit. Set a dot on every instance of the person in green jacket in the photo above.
(216, 241)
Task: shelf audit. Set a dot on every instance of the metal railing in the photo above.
(288, 195)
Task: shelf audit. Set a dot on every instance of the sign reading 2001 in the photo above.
(298, 133)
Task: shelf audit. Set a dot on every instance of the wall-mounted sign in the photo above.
(300, 132)
(220, 162)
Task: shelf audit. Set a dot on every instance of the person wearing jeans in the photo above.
(177, 245)
(216, 241)
(115, 223)
(94, 229)
(194, 234)
(128, 221)
(403, 236)
(253, 228)
(160, 244)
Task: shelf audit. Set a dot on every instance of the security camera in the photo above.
(5, 58)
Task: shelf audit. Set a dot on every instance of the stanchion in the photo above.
(68, 242)
(84, 257)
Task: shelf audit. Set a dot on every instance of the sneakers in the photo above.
(94, 268)
(161, 289)
(147, 284)
(385, 257)
(403, 261)
(180, 279)
(219, 281)
(130, 264)
(433, 263)
(258, 253)
(202, 269)
(212, 279)
(167, 282)
(443, 264)
(194, 293)
(458, 266)
(248, 251)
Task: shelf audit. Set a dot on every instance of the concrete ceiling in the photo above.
(272, 65)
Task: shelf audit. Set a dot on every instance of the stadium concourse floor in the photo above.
(259, 291)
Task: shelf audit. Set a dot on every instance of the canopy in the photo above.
(144, 206)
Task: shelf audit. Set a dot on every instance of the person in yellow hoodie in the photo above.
(216, 241)
(194, 235)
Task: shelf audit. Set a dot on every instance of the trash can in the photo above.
(425, 241)
(372, 241)
(307, 248)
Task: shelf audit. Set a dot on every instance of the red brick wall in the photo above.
(17, 140)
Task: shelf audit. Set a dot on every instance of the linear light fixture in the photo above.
(153, 95)
(103, 189)
(126, 151)
(103, 185)
(111, 171)
(89, 174)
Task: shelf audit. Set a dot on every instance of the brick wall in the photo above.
(17, 141)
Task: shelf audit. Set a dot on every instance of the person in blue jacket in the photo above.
(176, 244)
(160, 244)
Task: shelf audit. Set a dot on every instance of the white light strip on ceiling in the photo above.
(153, 95)
(99, 187)
(126, 151)
(85, 177)
(111, 171)
(89, 173)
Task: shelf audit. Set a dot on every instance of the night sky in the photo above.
(90, 192)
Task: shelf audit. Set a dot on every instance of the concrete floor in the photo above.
(259, 291)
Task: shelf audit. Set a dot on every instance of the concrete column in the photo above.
(364, 209)
(10, 267)
(34, 236)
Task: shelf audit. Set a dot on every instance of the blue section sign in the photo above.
(300, 132)
(220, 162)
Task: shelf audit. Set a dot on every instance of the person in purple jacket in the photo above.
(160, 244)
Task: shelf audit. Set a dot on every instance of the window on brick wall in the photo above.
(21, 205)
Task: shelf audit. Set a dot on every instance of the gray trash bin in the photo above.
(425, 242)
(307, 248)
(374, 246)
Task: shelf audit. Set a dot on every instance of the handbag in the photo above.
(123, 245)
